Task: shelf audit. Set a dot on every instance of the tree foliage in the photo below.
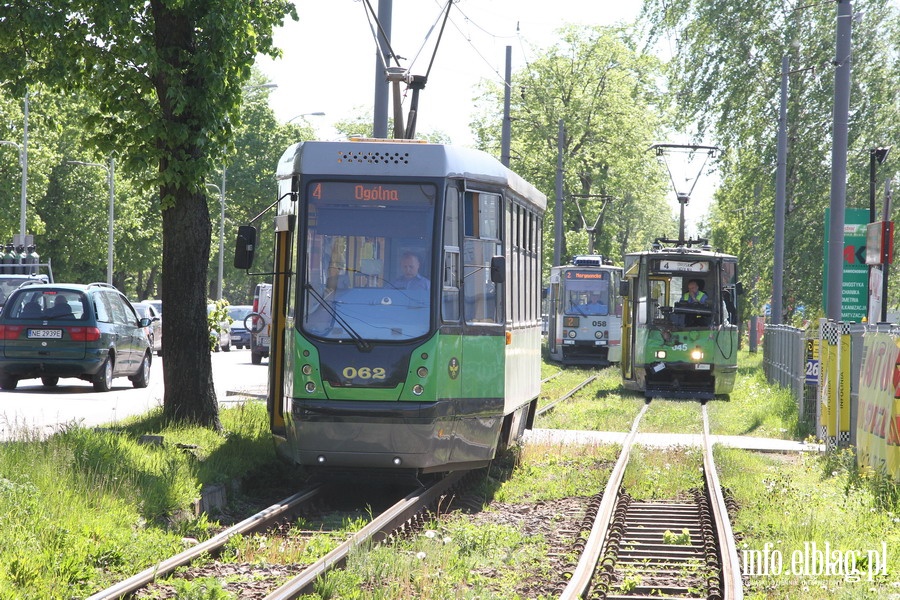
(725, 76)
(165, 78)
(604, 91)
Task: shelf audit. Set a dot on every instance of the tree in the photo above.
(725, 76)
(167, 78)
(259, 143)
(603, 90)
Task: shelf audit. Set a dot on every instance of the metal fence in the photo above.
(791, 359)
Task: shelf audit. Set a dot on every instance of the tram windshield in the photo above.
(586, 292)
(367, 272)
(680, 299)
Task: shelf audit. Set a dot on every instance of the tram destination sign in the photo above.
(682, 266)
(346, 192)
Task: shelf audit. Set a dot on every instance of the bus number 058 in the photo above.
(363, 373)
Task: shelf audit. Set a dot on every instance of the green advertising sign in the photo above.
(855, 286)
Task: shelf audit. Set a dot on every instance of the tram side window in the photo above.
(659, 298)
(450, 288)
(482, 227)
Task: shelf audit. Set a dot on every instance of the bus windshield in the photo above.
(367, 272)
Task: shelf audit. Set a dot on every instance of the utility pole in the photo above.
(833, 302)
(505, 131)
(382, 89)
(558, 207)
(780, 200)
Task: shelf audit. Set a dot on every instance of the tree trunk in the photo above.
(190, 395)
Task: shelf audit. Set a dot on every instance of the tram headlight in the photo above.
(422, 372)
(572, 333)
(306, 369)
(599, 335)
(310, 387)
(660, 354)
(418, 389)
(697, 354)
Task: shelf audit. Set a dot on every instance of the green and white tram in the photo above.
(585, 312)
(679, 329)
(406, 305)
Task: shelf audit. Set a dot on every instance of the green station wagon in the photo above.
(68, 330)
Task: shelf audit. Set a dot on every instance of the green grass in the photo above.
(756, 408)
(599, 406)
(792, 502)
(88, 507)
(657, 474)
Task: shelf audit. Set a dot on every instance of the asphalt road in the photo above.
(32, 409)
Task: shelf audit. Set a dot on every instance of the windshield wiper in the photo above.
(362, 344)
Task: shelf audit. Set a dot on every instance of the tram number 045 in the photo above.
(364, 373)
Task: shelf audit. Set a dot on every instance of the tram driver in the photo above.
(594, 306)
(695, 295)
(409, 278)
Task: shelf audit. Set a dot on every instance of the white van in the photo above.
(259, 322)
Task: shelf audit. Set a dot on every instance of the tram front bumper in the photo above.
(394, 435)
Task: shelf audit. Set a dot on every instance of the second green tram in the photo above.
(677, 343)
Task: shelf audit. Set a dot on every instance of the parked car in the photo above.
(223, 332)
(91, 332)
(9, 283)
(240, 335)
(147, 310)
(157, 304)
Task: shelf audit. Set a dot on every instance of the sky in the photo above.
(328, 61)
(329, 56)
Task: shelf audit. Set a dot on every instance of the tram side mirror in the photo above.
(245, 247)
(739, 288)
(498, 269)
(624, 287)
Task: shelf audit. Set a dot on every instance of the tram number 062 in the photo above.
(363, 373)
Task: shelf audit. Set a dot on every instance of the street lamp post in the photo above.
(877, 156)
(221, 191)
(110, 178)
(318, 113)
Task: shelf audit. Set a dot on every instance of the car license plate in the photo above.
(262, 340)
(45, 333)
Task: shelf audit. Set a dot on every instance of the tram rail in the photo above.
(627, 555)
(409, 511)
(548, 407)
(262, 519)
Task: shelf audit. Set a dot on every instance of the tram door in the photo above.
(553, 320)
(629, 308)
(482, 310)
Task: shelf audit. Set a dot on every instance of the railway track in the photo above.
(635, 549)
(409, 511)
(550, 406)
(659, 549)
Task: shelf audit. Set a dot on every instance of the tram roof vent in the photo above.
(593, 260)
(363, 155)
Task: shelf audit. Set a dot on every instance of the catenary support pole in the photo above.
(839, 161)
